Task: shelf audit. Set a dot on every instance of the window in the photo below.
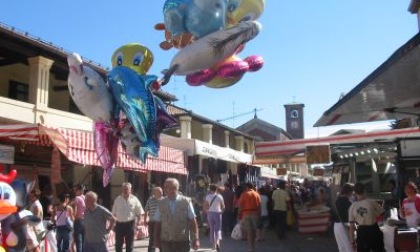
(18, 91)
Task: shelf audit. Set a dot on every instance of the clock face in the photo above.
(294, 125)
(294, 113)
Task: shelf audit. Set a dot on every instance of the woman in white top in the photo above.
(263, 221)
(410, 210)
(64, 218)
(35, 233)
(214, 206)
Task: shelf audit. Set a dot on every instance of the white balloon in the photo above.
(213, 48)
(88, 90)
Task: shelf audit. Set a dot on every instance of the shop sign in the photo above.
(217, 152)
(318, 154)
(281, 171)
(7, 154)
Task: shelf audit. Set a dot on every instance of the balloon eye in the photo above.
(119, 59)
(138, 58)
(233, 5)
(7, 194)
(249, 17)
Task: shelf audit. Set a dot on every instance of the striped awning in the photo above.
(78, 146)
(283, 148)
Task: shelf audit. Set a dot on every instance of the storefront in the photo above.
(221, 164)
(37, 147)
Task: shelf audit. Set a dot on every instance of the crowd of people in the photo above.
(81, 224)
(257, 209)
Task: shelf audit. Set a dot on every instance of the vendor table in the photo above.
(313, 221)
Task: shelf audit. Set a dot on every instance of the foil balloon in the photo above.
(244, 10)
(164, 119)
(197, 17)
(135, 56)
(133, 95)
(106, 146)
(173, 41)
(213, 48)
(8, 195)
(233, 68)
(129, 140)
(13, 228)
(88, 90)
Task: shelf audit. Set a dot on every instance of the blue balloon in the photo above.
(132, 94)
(198, 17)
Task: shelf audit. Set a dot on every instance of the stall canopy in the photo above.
(78, 147)
(197, 147)
(277, 149)
(390, 92)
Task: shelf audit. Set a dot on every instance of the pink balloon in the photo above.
(233, 69)
(255, 62)
(106, 144)
(201, 77)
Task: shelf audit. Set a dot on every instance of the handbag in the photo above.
(211, 202)
(237, 232)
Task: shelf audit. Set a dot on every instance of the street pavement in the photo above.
(294, 242)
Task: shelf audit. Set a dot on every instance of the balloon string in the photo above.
(167, 76)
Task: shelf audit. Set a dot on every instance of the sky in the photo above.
(314, 51)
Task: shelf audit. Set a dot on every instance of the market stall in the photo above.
(315, 219)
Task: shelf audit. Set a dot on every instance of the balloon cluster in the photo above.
(209, 35)
(124, 107)
(13, 216)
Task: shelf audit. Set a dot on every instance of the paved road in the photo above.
(294, 242)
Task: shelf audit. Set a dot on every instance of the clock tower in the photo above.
(294, 120)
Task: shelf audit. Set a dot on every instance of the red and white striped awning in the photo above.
(295, 146)
(78, 147)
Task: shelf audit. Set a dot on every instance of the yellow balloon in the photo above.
(245, 11)
(219, 82)
(135, 56)
(2, 249)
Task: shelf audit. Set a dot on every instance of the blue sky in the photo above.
(313, 50)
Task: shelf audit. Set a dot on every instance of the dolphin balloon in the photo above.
(133, 95)
(213, 48)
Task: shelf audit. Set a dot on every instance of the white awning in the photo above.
(197, 147)
(390, 92)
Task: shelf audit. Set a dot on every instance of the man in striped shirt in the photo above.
(151, 206)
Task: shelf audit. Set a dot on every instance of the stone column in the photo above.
(227, 135)
(185, 126)
(208, 133)
(39, 80)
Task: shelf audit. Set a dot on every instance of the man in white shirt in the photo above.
(128, 211)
